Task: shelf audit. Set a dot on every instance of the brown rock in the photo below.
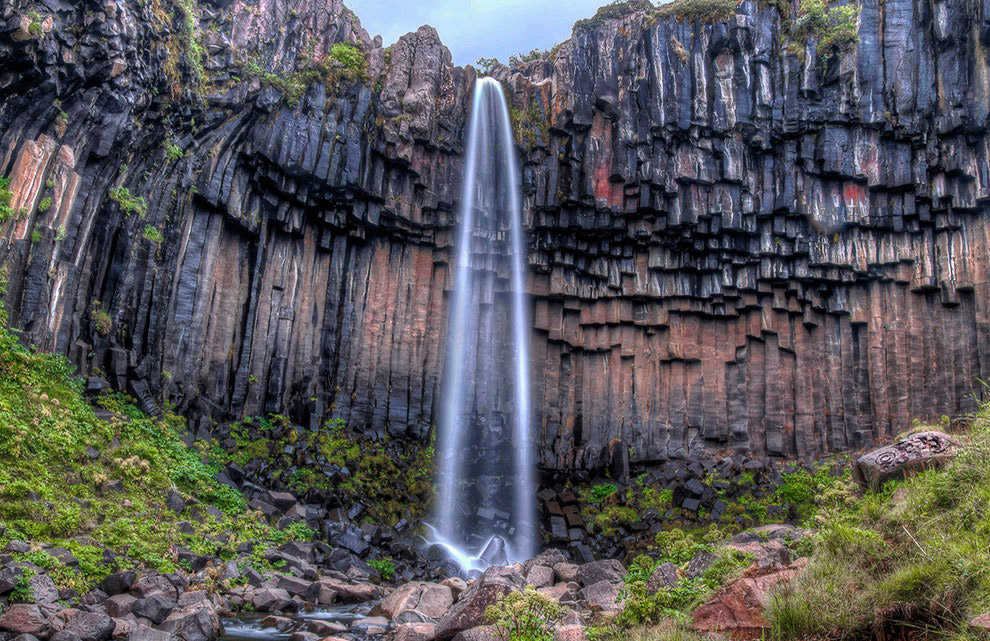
(565, 572)
(665, 576)
(431, 599)
(469, 611)
(456, 585)
(540, 576)
(570, 633)
(23, 618)
(602, 596)
(606, 570)
(350, 592)
(479, 633)
(414, 632)
(737, 609)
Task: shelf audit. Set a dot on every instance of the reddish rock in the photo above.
(22, 618)
(414, 632)
(736, 610)
(469, 611)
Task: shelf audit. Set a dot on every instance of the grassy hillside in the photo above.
(74, 480)
(912, 557)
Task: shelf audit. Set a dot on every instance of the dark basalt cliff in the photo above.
(732, 245)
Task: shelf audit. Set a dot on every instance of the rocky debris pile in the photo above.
(700, 492)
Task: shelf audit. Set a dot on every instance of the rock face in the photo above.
(916, 452)
(732, 245)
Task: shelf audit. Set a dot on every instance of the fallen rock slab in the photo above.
(916, 452)
(23, 618)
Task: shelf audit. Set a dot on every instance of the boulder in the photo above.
(540, 576)
(91, 626)
(154, 608)
(770, 555)
(916, 452)
(197, 622)
(144, 633)
(456, 585)
(149, 584)
(469, 611)
(414, 632)
(736, 610)
(605, 570)
(570, 633)
(565, 572)
(23, 618)
(430, 599)
(699, 563)
(602, 596)
(270, 599)
(350, 592)
(43, 589)
(479, 633)
(665, 576)
(61, 635)
(119, 582)
(120, 604)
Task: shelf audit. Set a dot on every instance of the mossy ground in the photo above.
(74, 480)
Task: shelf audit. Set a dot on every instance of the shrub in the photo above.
(129, 204)
(525, 616)
(36, 236)
(487, 65)
(6, 211)
(151, 233)
(834, 27)
(351, 60)
(385, 567)
(34, 26)
(45, 204)
(101, 320)
(520, 59)
(613, 10)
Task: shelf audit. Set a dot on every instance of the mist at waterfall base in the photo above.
(486, 510)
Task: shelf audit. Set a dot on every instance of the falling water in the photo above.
(486, 507)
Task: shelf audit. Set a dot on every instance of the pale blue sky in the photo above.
(475, 28)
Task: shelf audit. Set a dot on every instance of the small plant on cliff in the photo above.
(174, 151)
(101, 320)
(36, 236)
(34, 27)
(529, 126)
(520, 59)
(152, 234)
(129, 203)
(351, 61)
(45, 204)
(525, 616)
(834, 27)
(486, 65)
(6, 211)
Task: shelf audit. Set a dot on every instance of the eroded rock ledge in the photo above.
(731, 247)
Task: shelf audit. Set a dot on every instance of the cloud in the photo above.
(472, 29)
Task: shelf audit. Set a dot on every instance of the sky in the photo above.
(472, 29)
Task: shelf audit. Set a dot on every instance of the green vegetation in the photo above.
(100, 320)
(385, 567)
(393, 478)
(189, 36)
(691, 10)
(833, 27)
(346, 63)
(34, 26)
(529, 125)
(6, 211)
(152, 234)
(74, 480)
(525, 616)
(129, 203)
(45, 204)
(36, 236)
(174, 151)
(909, 559)
(487, 65)
(616, 9)
(600, 492)
(520, 59)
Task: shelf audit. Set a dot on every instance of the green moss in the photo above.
(53, 489)
(36, 236)
(529, 125)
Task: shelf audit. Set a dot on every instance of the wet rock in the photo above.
(270, 600)
(197, 622)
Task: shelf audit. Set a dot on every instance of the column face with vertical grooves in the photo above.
(733, 245)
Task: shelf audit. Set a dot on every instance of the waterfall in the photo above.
(486, 510)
